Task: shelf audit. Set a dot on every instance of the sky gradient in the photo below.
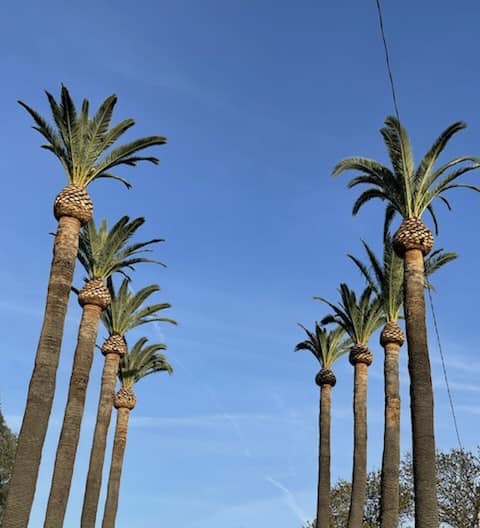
(258, 99)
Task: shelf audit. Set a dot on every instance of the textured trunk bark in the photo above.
(42, 383)
(359, 475)
(111, 503)
(323, 496)
(390, 488)
(421, 393)
(70, 434)
(97, 454)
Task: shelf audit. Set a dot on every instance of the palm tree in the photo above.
(141, 361)
(386, 280)
(126, 311)
(359, 319)
(327, 347)
(102, 252)
(410, 192)
(81, 144)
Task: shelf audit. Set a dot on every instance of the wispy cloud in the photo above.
(289, 498)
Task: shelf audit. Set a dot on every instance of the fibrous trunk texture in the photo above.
(97, 454)
(359, 474)
(124, 402)
(421, 392)
(389, 494)
(70, 434)
(323, 494)
(42, 383)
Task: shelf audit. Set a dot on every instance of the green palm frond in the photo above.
(82, 143)
(408, 191)
(103, 251)
(126, 311)
(327, 346)
(142, 360)
(360, 317)
(434, 262)
(384, 278)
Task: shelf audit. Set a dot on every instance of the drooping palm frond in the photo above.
(385, 279)
(407, 191)
(141, 361)
(359, 318)
(103, 251)
(436, 260)
(127, 310)
(327, 346)
(82, 143)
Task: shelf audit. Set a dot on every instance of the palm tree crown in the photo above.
(358, 318)
(81, 142)
(386, 278)
(408, 191)
(126, 311)
(326, 346)
(141, 361)
(103, 251)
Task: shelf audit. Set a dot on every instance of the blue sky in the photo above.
(259, 99)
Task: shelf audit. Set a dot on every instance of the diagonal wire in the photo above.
(387, 60)
(397, 114)
(444, 368)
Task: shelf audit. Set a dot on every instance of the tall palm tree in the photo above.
(126, 311)
(81, 144)
(359, 318)
(141, 361)
(327, 347)
(410, 192)
(102, 252)
(386, 279)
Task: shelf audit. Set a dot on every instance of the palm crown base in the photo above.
(125, 399)
(74, 201)
(326, 377)
(115, 344)
(360, 354)
(95, 292)
(392, 333)
(413, 234)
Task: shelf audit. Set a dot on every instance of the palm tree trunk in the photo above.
(42, 383)
(323, 495)
(359, 475)
(70, 434)
(97, 454)
(390, 489)
(111, 504)
(421, 392)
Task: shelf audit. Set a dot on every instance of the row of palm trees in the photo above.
(82, 143)
(395, 287)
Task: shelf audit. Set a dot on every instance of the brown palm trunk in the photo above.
(421, 392)
(70, 434)
(390, 488)
(97, 454)
(359, 474)
(42, 383)
(111, 504)
(323, 495)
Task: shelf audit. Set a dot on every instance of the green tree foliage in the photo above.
(458, 487)
(7, 455)
(458, 490)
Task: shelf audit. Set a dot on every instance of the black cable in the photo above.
(444, 368)
(397, 114)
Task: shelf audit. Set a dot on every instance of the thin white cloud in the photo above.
(289, 498)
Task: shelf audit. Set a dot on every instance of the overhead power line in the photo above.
(397, 115)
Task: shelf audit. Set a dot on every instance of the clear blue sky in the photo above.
(259, 99)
